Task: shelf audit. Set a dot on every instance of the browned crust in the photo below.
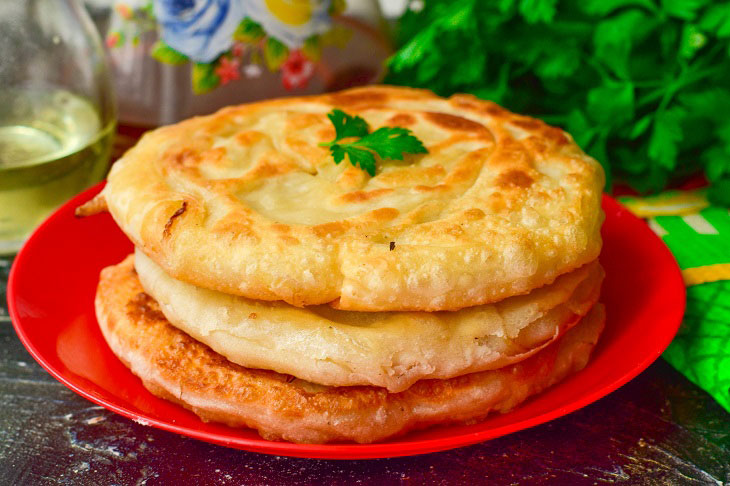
(174, 366)
(91, 207)
(539, 195)
(171, 221)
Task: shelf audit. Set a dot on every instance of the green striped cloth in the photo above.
(699, 237)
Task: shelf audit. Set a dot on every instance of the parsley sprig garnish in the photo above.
(642, 85)
(389, 143)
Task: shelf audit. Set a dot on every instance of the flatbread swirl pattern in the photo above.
(245, 202)
(176, 367)
(387, 349)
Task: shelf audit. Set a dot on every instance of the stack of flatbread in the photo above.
(272, 288)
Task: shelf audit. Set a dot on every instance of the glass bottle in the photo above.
(57, 111)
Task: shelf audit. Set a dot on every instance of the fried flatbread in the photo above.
(176, 367)
(246, 202)
(386, 349)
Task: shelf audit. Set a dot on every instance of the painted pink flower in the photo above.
(297, 70)
(228, 70)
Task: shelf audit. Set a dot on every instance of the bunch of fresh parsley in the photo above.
(642, 85)
(353, 138)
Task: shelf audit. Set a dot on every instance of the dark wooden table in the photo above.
(658, 429)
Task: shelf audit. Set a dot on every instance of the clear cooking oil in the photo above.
(52, 145)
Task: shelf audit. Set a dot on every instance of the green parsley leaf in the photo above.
(642, 85)
(338, 153)
(360, 158)
(614, 39)
(455, 18)
(665, 138)
(538, 10)
(640, 127)
(717, 20)
(713, 103)
(693, 39)
(611, 103)
(346, 125)
(718, 163)
(683, 9)
(582, 130)
(564, 62)
(717, 157)
(604, 7)
(389, 143)
(719, 192)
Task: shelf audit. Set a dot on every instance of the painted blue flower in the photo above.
(200, 29)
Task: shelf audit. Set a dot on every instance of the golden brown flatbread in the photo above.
(174, 366)
(246, 202)
(387, 349)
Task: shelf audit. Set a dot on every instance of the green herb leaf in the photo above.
(718, 163)
(611, 103)
(665, 138)
(642, 85)
(601, 8)
(564, 62)
(683, 9)
(582, 130)
(537, 10)
(347, 125)
(719, 192)
(717, 157)
(614, 39)
(456, 18)
(389, 143)
(693, 39)
(713, 103)
(717, 20)
(338, 153)
(640, 127)
(360, 158)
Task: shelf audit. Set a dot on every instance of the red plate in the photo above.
(51, 294)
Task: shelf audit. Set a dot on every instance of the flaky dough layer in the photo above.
(246, 202)
(174, 366)
(386, 349)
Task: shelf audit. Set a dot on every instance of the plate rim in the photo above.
(338, 451)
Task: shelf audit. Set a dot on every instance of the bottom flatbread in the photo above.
(176, 367)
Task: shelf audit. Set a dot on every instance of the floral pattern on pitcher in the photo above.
(226, 40)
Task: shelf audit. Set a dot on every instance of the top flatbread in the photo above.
(245, 202)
